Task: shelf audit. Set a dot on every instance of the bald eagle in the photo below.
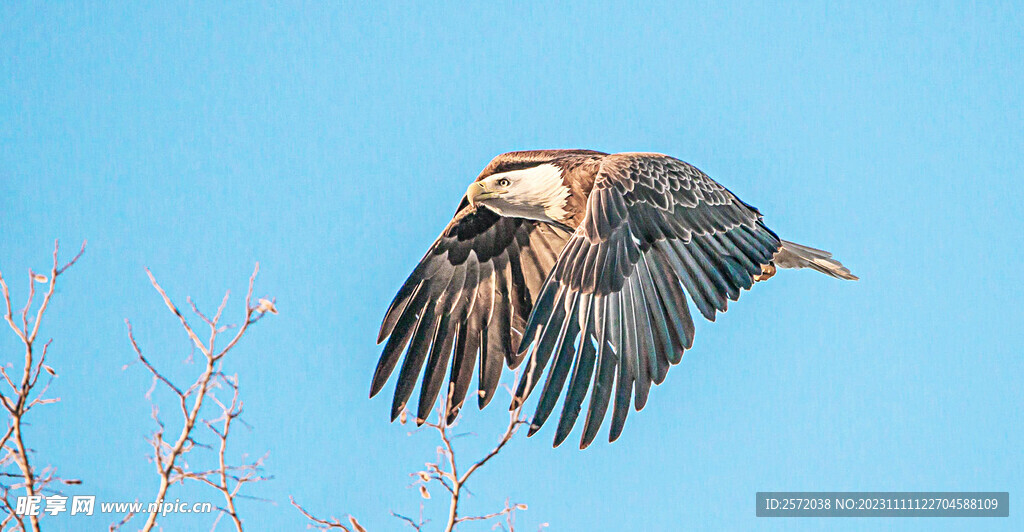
(581, 259)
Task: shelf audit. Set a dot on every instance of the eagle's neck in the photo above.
(544, 187)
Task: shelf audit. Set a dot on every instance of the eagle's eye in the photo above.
(504, 182)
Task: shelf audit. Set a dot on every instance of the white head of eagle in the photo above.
(537, 193)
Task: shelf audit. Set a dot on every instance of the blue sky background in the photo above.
(332, 144)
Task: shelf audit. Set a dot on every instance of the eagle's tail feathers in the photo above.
(792, 255)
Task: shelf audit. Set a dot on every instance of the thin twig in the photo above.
(320, 524)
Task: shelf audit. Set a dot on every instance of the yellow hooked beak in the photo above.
(479, 191)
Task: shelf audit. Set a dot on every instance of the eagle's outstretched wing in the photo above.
(470, 294)
(654, 226)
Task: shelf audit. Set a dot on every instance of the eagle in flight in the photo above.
(580, 259)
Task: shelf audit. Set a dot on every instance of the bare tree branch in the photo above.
(446, 474)
(450, 478)
(168, 456)
(23, 394)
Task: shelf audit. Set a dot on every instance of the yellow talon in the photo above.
(767, 271)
